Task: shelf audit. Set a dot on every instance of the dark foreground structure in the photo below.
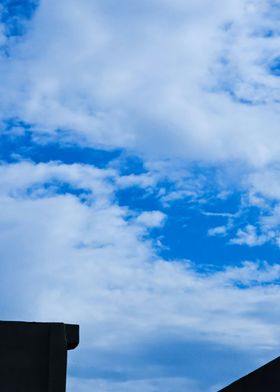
(264, 379)
(33, 356)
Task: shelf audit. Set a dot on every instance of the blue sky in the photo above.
(139, 185)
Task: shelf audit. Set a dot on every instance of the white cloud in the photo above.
(146, 180)
(77, 257)
(85, 262)
(249, 236)
(252, 273)
(143, 77)
(151, 218)
(218, 230)
(265, 182)
(262, 193)
(152, 385)
(169, 79)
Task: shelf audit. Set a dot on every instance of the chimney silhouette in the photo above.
(33, 356)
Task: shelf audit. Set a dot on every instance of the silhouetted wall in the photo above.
(33, 356)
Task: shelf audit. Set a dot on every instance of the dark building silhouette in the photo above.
(264, 379)
(33, 356)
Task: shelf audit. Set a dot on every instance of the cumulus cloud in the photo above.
(151, 218)
(74, 255)
(176, 82)
(194, 76)
(250, 237)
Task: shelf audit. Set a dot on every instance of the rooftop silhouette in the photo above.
(264, 379)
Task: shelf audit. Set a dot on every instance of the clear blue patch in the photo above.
(185, 233)
(274, 67)
(268, 33)
(130, 164)
(138, 199)
(14, 148)
(16, 14)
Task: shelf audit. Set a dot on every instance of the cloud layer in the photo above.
(81, 257)
(191, 89)
(200, 77)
